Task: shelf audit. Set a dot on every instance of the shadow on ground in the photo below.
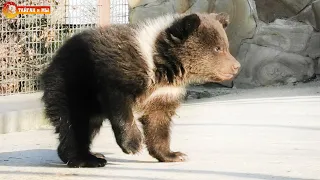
(30, 158)
(47, 158)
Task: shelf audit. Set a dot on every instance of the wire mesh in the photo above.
(28, 42)
(119, 11)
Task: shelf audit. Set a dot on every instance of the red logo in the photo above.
(11, 10)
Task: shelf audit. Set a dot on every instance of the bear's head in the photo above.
(197, 46)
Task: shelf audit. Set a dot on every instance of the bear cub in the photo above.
(115, 71)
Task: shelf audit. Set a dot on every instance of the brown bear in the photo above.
(111, 72)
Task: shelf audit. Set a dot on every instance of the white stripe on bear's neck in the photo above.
(146, 36)
(170, 92)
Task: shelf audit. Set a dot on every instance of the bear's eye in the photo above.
(218, 49)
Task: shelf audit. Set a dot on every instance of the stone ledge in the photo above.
(21, 112)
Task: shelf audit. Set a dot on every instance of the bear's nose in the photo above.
(236, 66)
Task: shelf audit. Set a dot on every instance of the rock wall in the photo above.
(276, 41)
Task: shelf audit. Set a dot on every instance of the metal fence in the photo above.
(119, 11)
(28, 42)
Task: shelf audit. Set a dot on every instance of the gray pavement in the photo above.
(226, 138)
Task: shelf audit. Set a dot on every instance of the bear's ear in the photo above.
(181, 29)
(224, 19)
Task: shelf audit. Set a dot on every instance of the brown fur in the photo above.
(158, 112)
(113, 71)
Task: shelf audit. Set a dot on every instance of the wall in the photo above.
(276, 41)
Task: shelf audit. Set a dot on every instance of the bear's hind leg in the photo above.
(75, 139)
(94, 128)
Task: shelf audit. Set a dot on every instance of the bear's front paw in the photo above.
(130, 141)
(172, 157)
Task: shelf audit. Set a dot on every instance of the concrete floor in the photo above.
(269, 138)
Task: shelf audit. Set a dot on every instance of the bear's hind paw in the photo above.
(90, 161)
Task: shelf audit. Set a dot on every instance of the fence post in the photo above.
(104, 12)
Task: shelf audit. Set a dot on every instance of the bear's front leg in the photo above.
(127, 133)
(156, 124)
(118, 108)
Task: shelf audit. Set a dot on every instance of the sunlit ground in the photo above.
(236, 136)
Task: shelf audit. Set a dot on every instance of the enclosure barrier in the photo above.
(28, 42)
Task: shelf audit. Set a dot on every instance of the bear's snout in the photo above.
(236, 66)
(233, 65)
(229, 69)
